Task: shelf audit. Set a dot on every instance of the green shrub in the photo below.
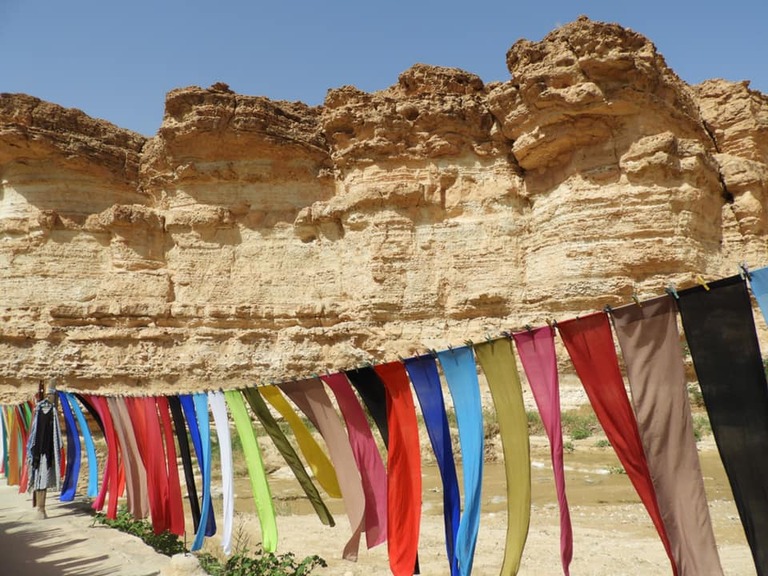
(260, 563)
(164, 543)
(535, 427)
(580, 423)
(695, 397)
(602, 443)
(701, 426)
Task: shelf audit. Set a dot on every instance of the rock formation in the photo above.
(252, 240)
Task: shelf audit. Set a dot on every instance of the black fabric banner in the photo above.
(186, 457)
(371, 390)
(720, 330)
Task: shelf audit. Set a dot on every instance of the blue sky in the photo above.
(116, 60)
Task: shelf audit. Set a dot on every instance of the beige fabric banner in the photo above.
(650, 344)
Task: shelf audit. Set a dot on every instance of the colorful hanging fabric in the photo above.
(3, 443)
(461, 375)
(174, 403)
(190, 414)
(758, 281)
(135, 474)
(175, 504)
(426, 382)
(261, 410)
(650, 344)
(720, 329)
(311, 398)
(318, 461)
(155, 464)
(24, 420)
(367, 458)
(590, 345)
(206, 509)
(537, 353)
(371, 390)
(69, 486)
(90, 449)
(403, 470)
(497, 360)
(219, 411)
(14, 448)
(261, 493)
(111, 482)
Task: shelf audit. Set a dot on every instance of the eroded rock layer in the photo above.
(252, 240)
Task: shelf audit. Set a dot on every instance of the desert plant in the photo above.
(580, 423)
(257, 562)
(535, 426)
(164, 543)
(701, 426)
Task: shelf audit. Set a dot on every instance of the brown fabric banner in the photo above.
(650, 344)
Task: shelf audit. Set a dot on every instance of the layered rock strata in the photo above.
(252, 240)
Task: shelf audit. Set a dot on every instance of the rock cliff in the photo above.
(252, 239)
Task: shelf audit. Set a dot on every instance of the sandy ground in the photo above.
(612, 532)
(67, 542)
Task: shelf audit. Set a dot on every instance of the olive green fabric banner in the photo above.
(262, 412)
(261, 493)
(317, 459)
(497, 360)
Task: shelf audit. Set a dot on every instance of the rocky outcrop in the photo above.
(252, 240)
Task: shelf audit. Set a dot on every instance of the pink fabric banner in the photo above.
(537, 353)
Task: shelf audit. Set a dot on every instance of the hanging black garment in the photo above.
(720, 330)
(371, 390)
(179, 424)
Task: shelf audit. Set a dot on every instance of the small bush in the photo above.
(580, 423)
(535, 427)
(257, 563)
(695, 397)
(164, 543)
(701, 426)
(602, 443)
(568, 447)
(490, 423)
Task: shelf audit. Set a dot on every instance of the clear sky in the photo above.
(117, 59)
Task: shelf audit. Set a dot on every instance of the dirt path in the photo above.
(66, 543)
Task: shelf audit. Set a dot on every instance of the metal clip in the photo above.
(672, 291)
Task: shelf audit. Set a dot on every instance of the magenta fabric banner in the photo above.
(537, 354)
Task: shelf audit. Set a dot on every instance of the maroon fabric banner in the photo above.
(590, 345)
(650, 344)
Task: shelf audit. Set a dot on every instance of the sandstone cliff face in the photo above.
(252, 240)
